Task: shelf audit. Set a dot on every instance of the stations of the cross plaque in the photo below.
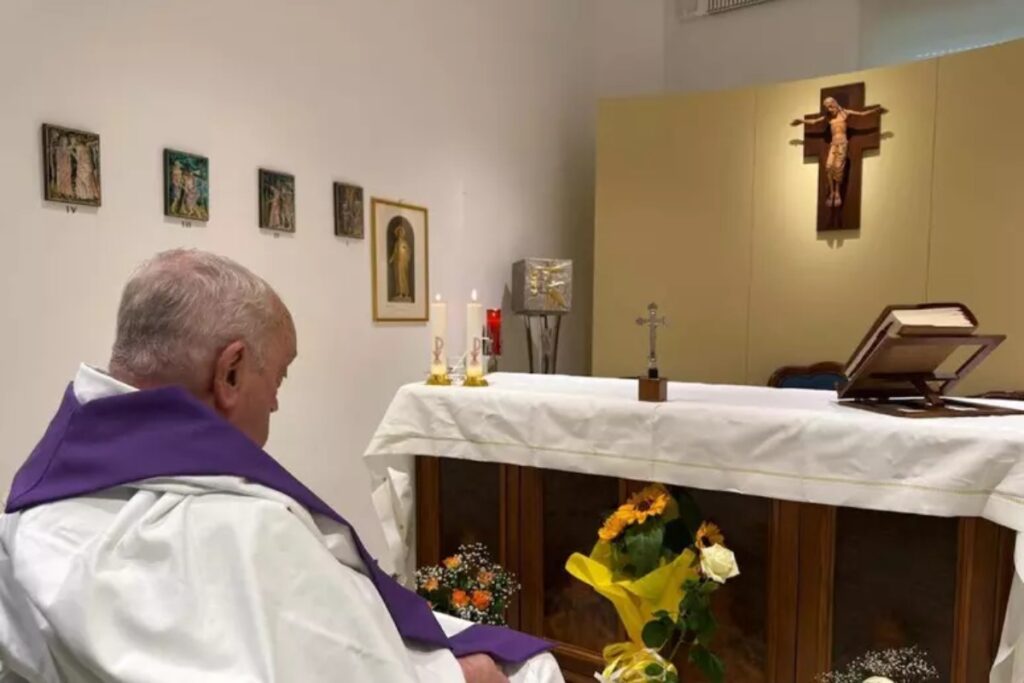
(838, 137)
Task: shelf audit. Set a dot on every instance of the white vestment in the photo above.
(199, 579)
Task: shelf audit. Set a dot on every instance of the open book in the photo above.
(907, 321)
(912, 357)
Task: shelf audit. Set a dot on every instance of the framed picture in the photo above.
(186, 186)
(277, 201)
(348, 211)
(399, 261)
(71, 166)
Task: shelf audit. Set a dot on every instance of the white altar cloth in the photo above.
(797, 445)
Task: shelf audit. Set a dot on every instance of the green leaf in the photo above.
(689, 512)
(643, 544)
(656, 634)
(694, 600)
(703, 624)
(671, 677)
(707, 663)
(677, 536)
(654, 670)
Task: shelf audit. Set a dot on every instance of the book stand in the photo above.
(918, 390)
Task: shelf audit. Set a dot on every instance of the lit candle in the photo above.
(474, 342)
(438, 337)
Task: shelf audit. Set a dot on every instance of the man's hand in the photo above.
(481, 669)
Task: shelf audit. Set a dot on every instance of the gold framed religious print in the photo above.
(398, 252)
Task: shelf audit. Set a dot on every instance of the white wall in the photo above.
(784, 40)
(480, 110)
(894, 31)
(779, 40)
(630, 51)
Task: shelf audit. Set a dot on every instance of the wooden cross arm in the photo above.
(874, 109)
(865, 126)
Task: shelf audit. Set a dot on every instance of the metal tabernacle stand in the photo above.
(542, 294)
(548, 325)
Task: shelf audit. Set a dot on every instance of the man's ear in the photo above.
(227, 376)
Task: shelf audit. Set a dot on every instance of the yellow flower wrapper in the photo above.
(635, 600)
(627, 663)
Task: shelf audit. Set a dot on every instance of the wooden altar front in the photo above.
(820, 585)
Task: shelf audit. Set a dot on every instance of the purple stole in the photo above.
(166, 432)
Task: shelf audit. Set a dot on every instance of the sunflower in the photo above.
(650, 502)
(614, 526)
(708, 535)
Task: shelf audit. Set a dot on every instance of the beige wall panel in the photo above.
(673, 224)
(814, 294)
(634, 174)
(748, 283)
(977, 241)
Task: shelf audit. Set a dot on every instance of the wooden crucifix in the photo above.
(837, 137)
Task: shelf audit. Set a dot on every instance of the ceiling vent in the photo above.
(693, 9)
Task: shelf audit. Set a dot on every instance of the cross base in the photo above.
(653, 390)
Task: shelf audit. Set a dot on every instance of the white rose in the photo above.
(718, 563)
(877, 679)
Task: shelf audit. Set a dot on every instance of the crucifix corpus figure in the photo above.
(654, 322)
(838, 137)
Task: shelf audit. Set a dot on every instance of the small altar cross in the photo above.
(654, 322)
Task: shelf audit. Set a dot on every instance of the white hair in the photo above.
(181, 308)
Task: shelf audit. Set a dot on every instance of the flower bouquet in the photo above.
(468, 585)
(904, 665)
(659, 567)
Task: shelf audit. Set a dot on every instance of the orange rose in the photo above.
(459, 598)
(485, 577)
(453, 562)
(481, 599)
(431, 584)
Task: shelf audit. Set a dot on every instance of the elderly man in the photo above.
(149, 537)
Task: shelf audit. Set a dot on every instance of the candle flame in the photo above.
(474, 295)
(437, 298)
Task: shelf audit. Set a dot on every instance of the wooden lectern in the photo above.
(897, 368)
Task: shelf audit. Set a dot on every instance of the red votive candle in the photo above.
(494, 330)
